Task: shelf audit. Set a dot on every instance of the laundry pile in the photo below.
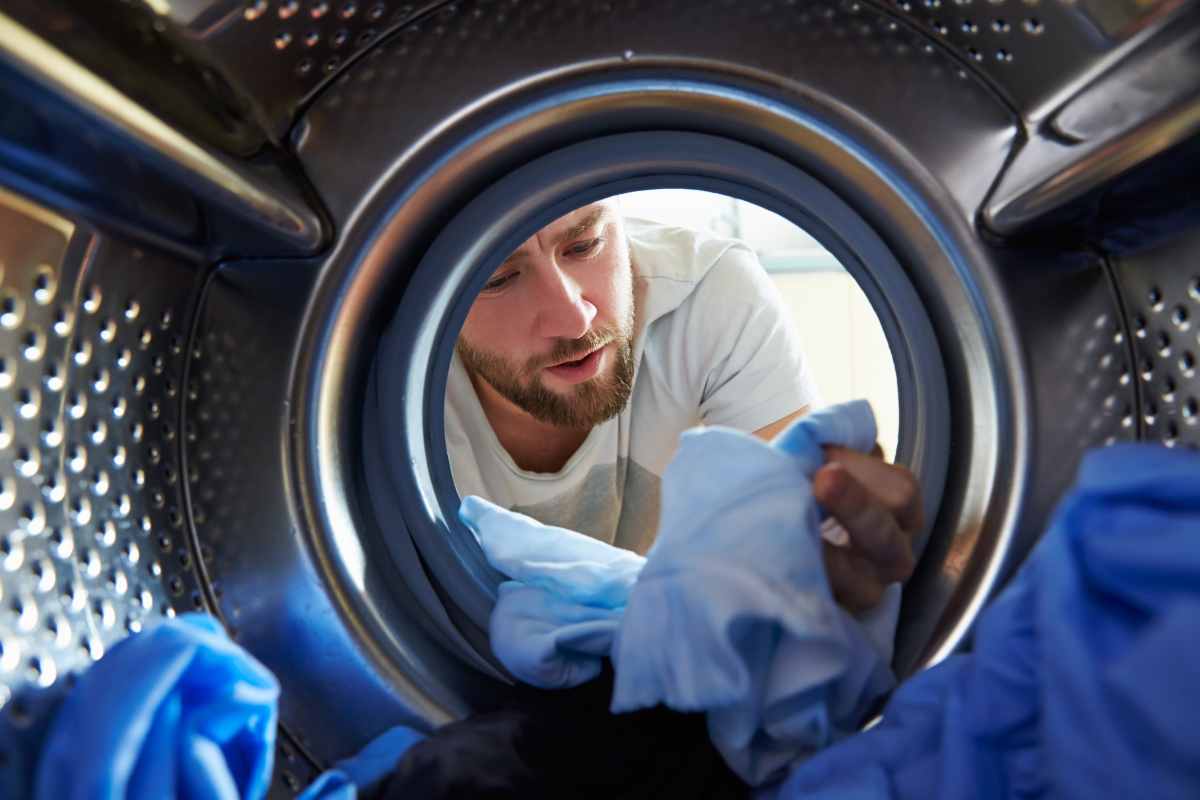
(729, 614)
(1084, 676)
(719, 662)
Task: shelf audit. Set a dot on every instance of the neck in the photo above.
(534, 446)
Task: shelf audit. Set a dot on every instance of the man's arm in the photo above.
(879, 505)
(769, 432)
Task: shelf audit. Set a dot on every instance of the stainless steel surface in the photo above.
(262, 200)
(1161, 291)
(1039, 53)
(137, 49)
(1146, 103)
(93, 340)
(251, 65)
(293, 772)
(1101, 86)
(177, 432)
(1077, 372)
(439, 76)
(281, 53)
(323, 609)
(390, 175)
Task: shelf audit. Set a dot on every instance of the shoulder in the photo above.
(682, 267)
(669, 252)
(736, 276)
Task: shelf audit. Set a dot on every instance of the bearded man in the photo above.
(601, 339)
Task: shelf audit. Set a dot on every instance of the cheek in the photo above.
(488, 328)
(479, 330)
(615, 287)
(473, 327)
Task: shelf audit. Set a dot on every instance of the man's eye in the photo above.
(496, 283)
(585, 248)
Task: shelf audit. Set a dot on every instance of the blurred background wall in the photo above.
(843, 340)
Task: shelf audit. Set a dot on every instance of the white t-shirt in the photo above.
(712, 345)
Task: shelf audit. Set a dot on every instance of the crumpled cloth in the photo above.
(365, 770)
(1084, 679)
(730, 612)
(176, 711)
(555, 622)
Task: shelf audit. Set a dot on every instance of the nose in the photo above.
(562, 310)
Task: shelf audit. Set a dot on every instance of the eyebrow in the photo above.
(578, 229)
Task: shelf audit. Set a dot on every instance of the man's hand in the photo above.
(879, 505)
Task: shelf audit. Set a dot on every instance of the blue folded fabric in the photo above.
(552, 626)
(176, 711)
(1084, 679)
(730, 612)
(363, 771)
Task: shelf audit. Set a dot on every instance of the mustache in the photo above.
(572, 349)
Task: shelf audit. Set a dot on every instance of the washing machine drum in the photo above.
(238, 239)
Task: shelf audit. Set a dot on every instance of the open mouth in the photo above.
(579, 369)
(577, 362)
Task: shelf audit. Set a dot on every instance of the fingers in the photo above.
(874, 533)
(855, 584)
(892, 485)
(879, 505)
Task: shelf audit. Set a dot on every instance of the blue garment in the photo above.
(176, 711)
(730, 613)
(552, 626)
(366, 769)
(1084, 679)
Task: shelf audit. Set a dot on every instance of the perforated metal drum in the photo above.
(209, 211)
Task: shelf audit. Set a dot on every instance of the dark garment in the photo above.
(565, 743)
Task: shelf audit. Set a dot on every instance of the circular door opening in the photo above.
(412, 478)
(694, 309)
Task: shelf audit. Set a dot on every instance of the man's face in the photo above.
(552, 330)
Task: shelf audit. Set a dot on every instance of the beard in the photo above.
(586, 404)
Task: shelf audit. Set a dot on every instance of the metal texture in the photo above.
(262, 204)
(1161, 291)
(392, 175)
(1039, 53)
(135, 48)
(230, 73)
(260, 61)
(1078, 370)
(293, 771)
(1145, 104)
(139, 404)
(256, 64)
(281, 53)
(92, 349)
(279, 584)
(435, 65)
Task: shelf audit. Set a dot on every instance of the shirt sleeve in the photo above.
(754, 371)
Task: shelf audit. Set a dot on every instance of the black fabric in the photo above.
(565, 744)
